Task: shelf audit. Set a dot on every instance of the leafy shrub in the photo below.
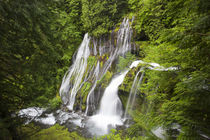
(55, 102)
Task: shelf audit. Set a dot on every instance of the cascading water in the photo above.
(72, 79)
(80, 72)
(90, 97)
(133, 91)
(85, 73)
(124, 37)
(110, 111)
(123, 45)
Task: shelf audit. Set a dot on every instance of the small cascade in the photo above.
(72, 79)
(123, 45)
(90, 97)
(110, 102)
(110, 111)
(94, 47)
(132, 96)
(124, 37)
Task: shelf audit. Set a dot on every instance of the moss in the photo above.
(128, 81)
(91, 60)
(101, 64)
(125, 87)
(82, 96)
(83, 106)
(103, 59)
(105, 79)
(116, 29)
(85, 90)
(55, 132)
(123, 98)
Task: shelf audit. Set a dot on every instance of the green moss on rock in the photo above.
(82, 95)
(128, 81)
(92, 60)
(85, 90)
(55, 132)
(106, 79)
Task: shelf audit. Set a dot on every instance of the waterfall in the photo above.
(123, 45)
(80, 72)
(110, 111)
(124, 37)
(72, 79)
(110, 102)
(133, 91)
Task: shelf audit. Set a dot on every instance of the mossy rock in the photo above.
(55, 132)
(81, 96)
(128, 81)
(123, 97)
(85, 90)
(125, 87)
(105, 79)
(91, 60)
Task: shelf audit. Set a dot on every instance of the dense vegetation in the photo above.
(178, 35)
(38, 39)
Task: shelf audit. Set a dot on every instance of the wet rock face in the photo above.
(125, 87)
(38, 115)
(95, 102)
(123, 95)
(104, 51)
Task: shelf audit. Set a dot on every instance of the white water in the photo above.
(156, 66)
(159, 132)
(133, 91)
(123, 45)
(48, 120)
(124, 37)
(110, 111)
(73, 78)
(90, 96)
(34, 114)
(137, 82)
(110, 102)
(79, 72)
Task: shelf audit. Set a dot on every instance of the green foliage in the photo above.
(125, 61)
(55, 132)
(55, 102)
(111, 136)
(128, 81)
(34, 36)
(5, 134)
(121, 134)
(99, 16)
(178, 35)
(38, 39)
